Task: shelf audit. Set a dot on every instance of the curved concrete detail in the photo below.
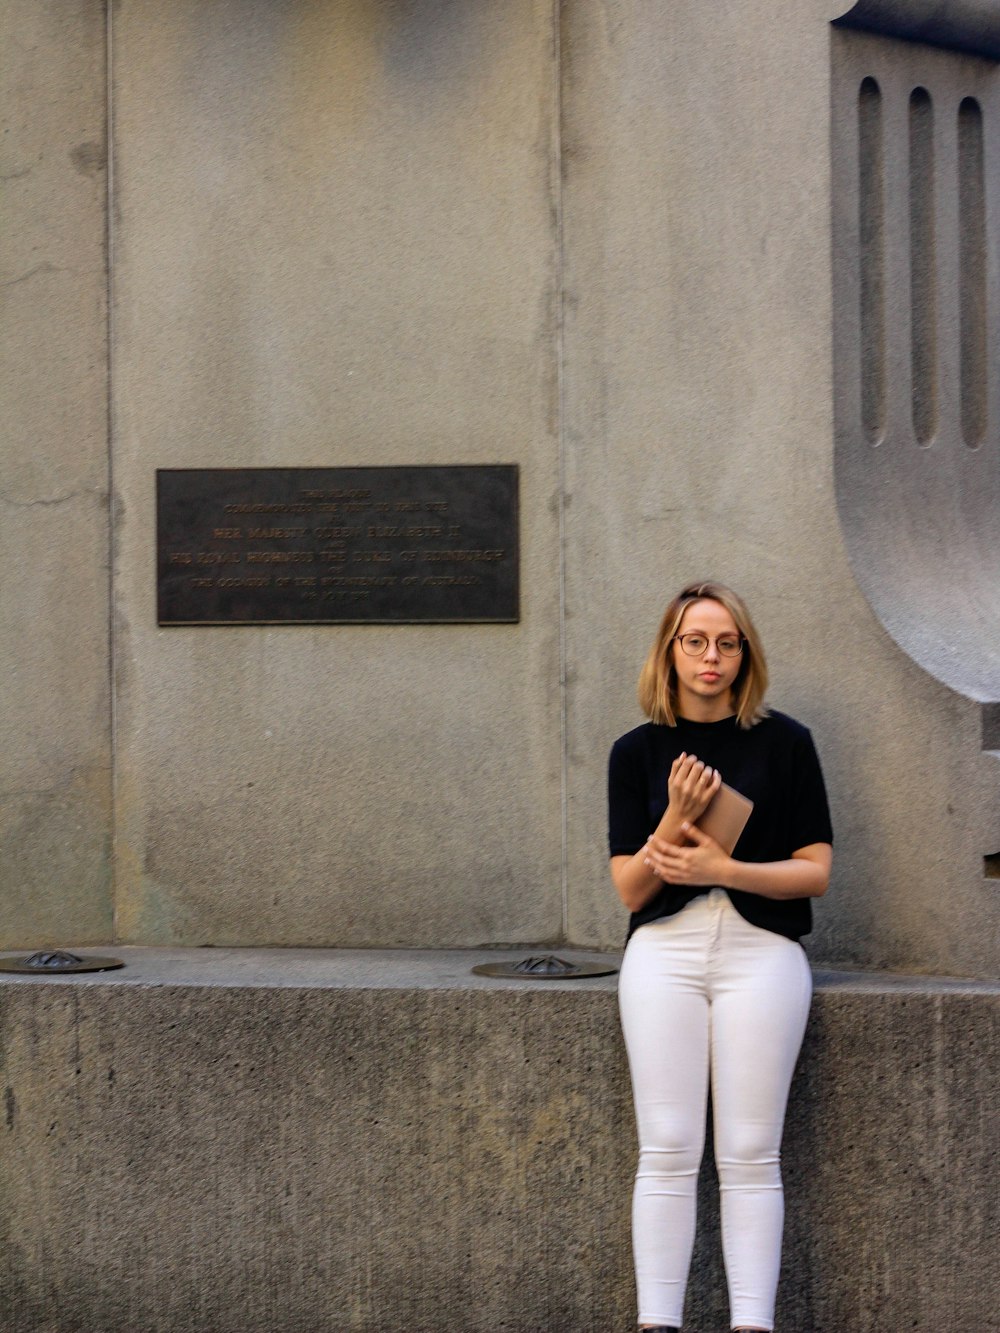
(962, 25)
(920, 521)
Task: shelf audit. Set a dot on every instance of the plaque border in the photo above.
(514, 619)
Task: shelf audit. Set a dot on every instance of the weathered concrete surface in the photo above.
(699, 443)
(55, 793)
(921, 522)
(311, 1140)
(593, 239)
(341, 217)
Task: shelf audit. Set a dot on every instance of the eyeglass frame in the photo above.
(709, 639)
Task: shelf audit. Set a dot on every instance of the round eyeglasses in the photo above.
(729, 645)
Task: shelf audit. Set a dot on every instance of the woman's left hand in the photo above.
(704, 863)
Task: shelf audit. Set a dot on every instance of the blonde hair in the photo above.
(658, 678)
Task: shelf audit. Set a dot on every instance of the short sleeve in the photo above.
(628, 800)
(810, 821)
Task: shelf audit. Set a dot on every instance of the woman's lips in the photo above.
(710, 676)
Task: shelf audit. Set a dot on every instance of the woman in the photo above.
(714, 982)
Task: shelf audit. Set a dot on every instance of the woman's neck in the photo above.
(698, 709)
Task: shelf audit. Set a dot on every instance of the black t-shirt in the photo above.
(774, 763)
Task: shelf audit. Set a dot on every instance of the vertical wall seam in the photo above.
(109, 205)
(560, 308)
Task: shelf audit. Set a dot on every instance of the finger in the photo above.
(658, 850)
(696, 835)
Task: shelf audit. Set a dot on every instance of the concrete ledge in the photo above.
(306, 1140)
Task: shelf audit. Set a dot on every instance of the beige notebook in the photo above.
(726, 817)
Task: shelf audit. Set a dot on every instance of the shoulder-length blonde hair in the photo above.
(658, 678)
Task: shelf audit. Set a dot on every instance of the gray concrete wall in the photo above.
(55, 749)
(699, 429)
(324, 1140)
(335, 247)
(591, 239)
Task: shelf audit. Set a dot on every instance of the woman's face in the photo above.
(705, 683)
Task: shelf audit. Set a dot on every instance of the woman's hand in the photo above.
(805, 874)
(702, 864)
(690, 787)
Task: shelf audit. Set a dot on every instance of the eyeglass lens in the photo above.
(695, 644)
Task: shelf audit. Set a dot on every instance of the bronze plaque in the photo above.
(336, 546)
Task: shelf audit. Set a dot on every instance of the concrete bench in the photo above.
(296, 1141)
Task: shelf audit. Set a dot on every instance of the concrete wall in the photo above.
(212, 1140)
(593, 239)
(699, 428)
(590, 239)
(335, 247)
(55, 722)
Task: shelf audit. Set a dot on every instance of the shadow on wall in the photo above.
(961, 25)
(415, 45)
(423, 40)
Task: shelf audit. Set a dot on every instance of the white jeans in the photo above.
(704, 992)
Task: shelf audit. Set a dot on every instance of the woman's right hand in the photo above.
(690, 787)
